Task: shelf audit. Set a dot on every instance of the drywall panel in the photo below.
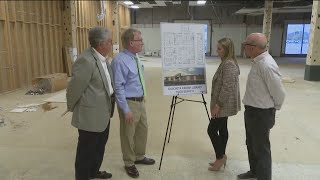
(275, 40)
(151, 39)
(237, 32)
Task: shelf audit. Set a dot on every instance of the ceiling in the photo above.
(248, 7)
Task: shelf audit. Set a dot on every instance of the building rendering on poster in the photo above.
(183, 58)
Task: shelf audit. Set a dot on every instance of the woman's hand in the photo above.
(215, 111)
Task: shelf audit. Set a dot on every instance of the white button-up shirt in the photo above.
(105, 68)
(264, 87)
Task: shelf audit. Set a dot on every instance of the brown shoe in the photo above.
(146, 161)
(132, 171)
(102, 175)
(217, 165)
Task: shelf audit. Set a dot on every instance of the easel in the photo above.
(171, 115)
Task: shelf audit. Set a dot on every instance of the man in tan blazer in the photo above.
(90, 98)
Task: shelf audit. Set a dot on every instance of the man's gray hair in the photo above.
(97, 35)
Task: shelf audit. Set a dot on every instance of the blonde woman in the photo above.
(225, 101)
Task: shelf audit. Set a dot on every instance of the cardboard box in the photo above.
(51, 82)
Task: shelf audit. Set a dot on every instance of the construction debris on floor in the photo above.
(288, 80)
(48, 106)
(36, 91)
(2, 119)
(26, 108)
(18, 110)
(48, 84)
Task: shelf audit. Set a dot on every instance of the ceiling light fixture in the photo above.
(134, 7)
(128, 2)
(201, 2)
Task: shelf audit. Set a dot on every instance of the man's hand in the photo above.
(128, 117)
(215, 111)
(64, 113)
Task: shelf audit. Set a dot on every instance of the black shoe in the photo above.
(146, 161)
(247, 175)
(132, 171)
(102, 175)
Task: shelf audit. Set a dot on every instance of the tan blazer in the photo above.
(88, 95)
(225, 89)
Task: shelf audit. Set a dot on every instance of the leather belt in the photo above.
(255, 108)
(139, 99)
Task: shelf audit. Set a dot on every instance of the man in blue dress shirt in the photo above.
(130, 94)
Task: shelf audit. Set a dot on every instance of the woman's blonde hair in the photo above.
(228, 47)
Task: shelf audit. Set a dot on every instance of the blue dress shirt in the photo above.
(126, 78)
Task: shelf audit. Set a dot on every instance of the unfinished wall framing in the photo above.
(32, 36)
(31, 41)
(86, 18)
(124, 20)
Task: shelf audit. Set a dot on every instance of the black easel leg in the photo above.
(205, 105)
(174, 108)
(171, 115)
(165, 138)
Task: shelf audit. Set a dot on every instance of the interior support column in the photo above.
(69, 33)
(115, 27)
(312, 68)
(267, 20)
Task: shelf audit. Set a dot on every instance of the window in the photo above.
(297, 39)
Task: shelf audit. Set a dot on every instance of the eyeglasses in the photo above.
(140, 40)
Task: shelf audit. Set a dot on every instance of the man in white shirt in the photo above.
(264, 95)
(90, 98)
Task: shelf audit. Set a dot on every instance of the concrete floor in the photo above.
(41, 145)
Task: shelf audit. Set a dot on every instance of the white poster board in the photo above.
(183, 59)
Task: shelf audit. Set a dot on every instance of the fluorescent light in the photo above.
(128, 2)
(201, 2)
(134, 7)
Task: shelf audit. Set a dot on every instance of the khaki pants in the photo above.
(133, 136)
